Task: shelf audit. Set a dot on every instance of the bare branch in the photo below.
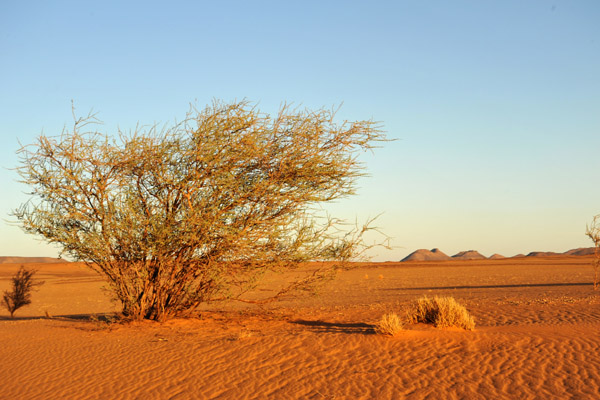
(593, 231)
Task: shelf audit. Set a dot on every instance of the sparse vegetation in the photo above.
(593, 232)
(198, 212)
(442, 312)
(22, 286)
(389, 324)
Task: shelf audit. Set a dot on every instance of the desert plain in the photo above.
(537, 336)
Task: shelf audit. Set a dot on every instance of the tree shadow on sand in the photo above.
(102, 317)
(337, 327)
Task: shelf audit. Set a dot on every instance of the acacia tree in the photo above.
(197, 212)
(593, 231)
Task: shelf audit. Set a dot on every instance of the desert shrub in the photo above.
(442, 312)
(593, 231)
(198, 212)
(22, 286)
(389, 324)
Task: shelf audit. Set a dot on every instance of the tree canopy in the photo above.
(198, 211)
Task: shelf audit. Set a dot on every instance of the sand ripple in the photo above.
(291, 361)
(536, 338)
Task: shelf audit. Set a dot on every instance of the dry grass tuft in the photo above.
(389, 324)
(442, 312)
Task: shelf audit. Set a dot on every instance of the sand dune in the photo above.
(538, 322)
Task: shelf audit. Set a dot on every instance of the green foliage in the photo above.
(22, 285)
(198, 212)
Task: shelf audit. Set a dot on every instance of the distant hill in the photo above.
(27, 260)
(426, 255)
(582, 251)
(438, 255)
(542, 254)
(469, 255)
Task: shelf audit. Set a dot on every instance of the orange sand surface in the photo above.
(537, 337)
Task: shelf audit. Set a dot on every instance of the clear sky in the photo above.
(495, 104)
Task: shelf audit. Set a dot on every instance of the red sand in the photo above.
(537, 337)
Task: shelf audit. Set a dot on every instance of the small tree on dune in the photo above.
(198, 212)
(22, 286)
(593, 231)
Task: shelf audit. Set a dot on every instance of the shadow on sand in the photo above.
(522, 285)
(336, 327)
(106, 317)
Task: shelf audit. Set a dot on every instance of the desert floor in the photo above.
(537, 337)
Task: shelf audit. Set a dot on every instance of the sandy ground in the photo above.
(537, 337)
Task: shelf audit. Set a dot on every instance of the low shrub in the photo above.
(442, 312)
(20, 295)
(389, 324)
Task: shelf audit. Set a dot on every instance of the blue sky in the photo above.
(495, 105)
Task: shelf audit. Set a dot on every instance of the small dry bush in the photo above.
(22, 286)
(593, 232)
(389, 324)
(442, 312)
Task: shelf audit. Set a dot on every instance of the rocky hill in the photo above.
(469, 255)
(438, 255)
(582, 251)
(426, 255)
